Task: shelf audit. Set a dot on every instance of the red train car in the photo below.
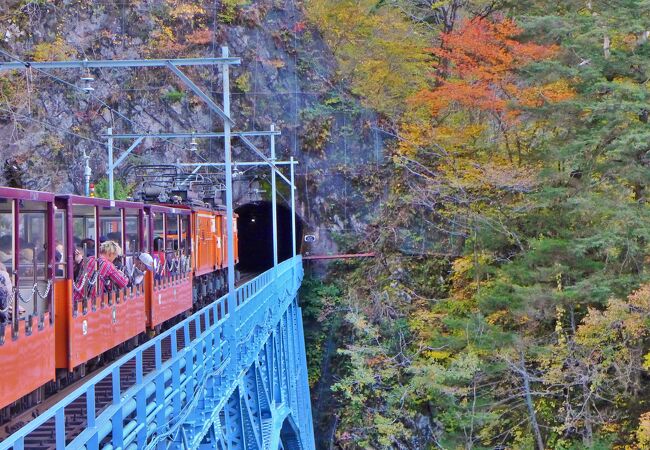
(62, 324)
(169, 288)
(87, 328)
(27, 257)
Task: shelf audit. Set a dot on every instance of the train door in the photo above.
(172, 245)
(185, 246)
(158, 223)
(206, 228)
(34, 274)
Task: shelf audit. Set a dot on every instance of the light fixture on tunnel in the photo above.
(235, 171)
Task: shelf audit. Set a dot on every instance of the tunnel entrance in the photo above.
(255, 227)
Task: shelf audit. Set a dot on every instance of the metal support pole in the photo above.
(232, 305)
(293, 211)
(274, 203)
(111, 192)
(293, 221)
(87, 173)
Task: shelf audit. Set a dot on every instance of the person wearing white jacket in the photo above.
(136, 266)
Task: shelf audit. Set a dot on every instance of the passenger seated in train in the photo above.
(6, 248)
(159, 258)
(59, 259)
(136, 266)
(6, 298)
(78, 264)
(26, 261)
(108, 275)
(88, 246)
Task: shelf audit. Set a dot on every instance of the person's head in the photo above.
(6, 243)
(26, 256)
(88, 246)
(158, 244)
(110, 250)
(144, 262)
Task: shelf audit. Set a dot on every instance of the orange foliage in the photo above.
(200, 37)
(477, 68)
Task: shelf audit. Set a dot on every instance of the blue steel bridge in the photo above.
(217, 380)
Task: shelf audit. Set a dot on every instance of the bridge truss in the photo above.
(217, 380)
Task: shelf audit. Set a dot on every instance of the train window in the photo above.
(146, 234)
(7, 234)
(158, 232)
(132, 231)
(85, 238)
(32, 258)
(185, 235)
(110, 225)
(172, 233)
(60, 251)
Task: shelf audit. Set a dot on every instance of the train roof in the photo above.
(95, 201)
(25, 194)
(173, 209)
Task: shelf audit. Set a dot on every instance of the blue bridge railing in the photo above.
(218, 379)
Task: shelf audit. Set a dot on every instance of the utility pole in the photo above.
(109, 146)
(274, 205)
(87, 174)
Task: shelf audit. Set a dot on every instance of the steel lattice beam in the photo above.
(208, 394)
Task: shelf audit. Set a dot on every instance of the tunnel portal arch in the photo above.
(255, 229)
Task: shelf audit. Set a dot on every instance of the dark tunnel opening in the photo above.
(255, 227)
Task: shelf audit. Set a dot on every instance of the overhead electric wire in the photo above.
(40, 122)
(102, 102)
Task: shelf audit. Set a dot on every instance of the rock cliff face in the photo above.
(287, 77)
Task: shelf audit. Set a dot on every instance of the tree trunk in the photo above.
(529, 403)
(589, 432)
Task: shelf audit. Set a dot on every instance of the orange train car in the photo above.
(27, 339)
(56, 333)
(87, 328)
(169, 287)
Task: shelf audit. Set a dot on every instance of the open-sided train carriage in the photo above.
(27, 334)
(88, 327)
(58, 319)
(169, 288)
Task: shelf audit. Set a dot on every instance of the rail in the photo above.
(201, 353)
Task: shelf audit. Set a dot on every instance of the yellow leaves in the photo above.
(437, 355)
(163, 42)
(414, 136)
(58, 50)
(555, 92)
(498, 317)
(378, 51)
(426, 324)
(646, 362)
(185, 11)
(621, 321)
(643, 431)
